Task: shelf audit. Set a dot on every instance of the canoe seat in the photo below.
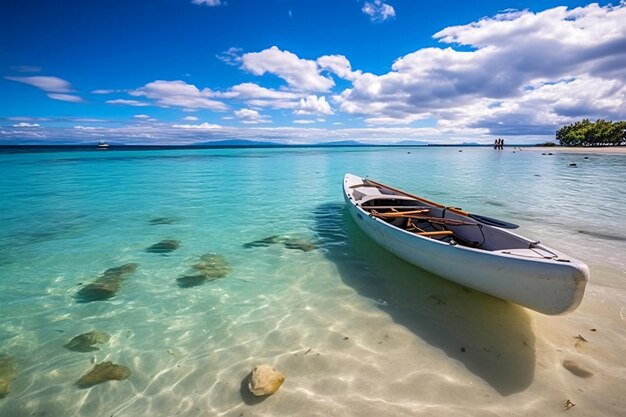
(412, 227)
(367, 192)
(438, 233)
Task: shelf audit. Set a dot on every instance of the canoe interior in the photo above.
(423, 219)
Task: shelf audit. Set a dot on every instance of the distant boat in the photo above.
(103, 145)
(471, 250)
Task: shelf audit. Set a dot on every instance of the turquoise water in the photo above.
(66, 217)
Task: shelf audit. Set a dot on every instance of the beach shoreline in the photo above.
(616, 150)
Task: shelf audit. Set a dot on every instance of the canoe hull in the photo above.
(544, 285)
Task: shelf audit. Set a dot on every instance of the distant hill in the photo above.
(342, 143)
(411, 143)
(236, 142)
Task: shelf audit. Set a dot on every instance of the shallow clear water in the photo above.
(355, 330)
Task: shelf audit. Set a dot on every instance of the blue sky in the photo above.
(289, 71)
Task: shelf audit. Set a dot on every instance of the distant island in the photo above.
(587, 133)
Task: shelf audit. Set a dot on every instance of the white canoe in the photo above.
(448, 242)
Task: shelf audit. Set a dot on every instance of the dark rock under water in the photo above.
(84, 342)
(102, 372)
(287, 242)
(164, 246)
(107, 285)
(210, 267)
(605, 236)
(8, 373)
(262, 243)
(189, 281)
(299, 244)
(162, 220)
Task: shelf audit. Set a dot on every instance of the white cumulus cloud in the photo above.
(313, 105)
(301, 74)
(250, 116)
(513, 58)
(179, 94)
(378, 11)
(247, 91)
(339, 65)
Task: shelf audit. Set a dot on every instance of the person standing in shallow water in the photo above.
(496, 143)
(501, 143)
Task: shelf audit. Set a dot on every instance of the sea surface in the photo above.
(286, 278)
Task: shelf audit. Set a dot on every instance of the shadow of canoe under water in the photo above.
(493, 339)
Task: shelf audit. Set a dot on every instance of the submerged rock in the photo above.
(262, 243)
(120, 270)
(8, 372)
(84, 342)
(97, 292)
(211, 266)
(102, 372)
(299, 244)
(189, 281)
(164, 246)
(107, 285)
(576, 369)
(162, 220)
(265, 380)
(289, 243)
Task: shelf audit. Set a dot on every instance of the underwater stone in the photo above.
(289, 243)
(212, 265)
(263, 242)
(265, 380)
(107, 285)
(84, 342)
(164, 246)
(120, 270)
(8, 372)
(97, 292)
(162, 220)
(299, 244)
(102, 372)
(576, 369)
(189, 281)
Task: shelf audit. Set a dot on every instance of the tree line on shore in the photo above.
(587, 133)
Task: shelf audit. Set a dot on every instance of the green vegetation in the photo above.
(586, 133)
